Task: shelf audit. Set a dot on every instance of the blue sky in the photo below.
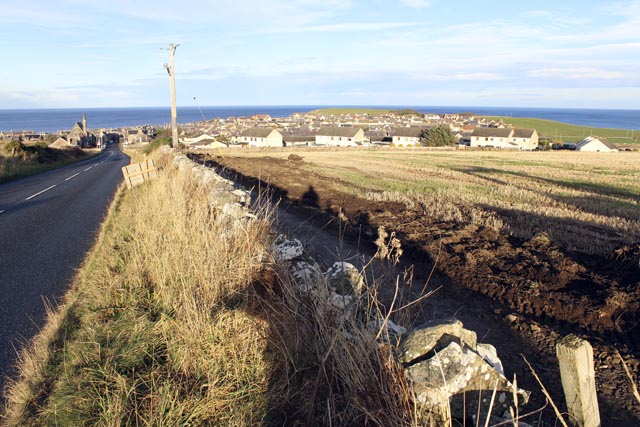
(86, 53)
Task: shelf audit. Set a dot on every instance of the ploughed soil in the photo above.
(531, 290)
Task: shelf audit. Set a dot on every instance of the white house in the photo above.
(491, 137)
(340, 136)
(406, 137)
(260, 137)
(525, 139)
(135, 136)
(61, 143)
(593, 144)
(508, 138)
(207, 144)
(198, 140)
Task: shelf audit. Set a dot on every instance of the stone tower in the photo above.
(84, 123)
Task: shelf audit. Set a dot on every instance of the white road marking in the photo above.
(72, 176)
(88, 168)
(37, 194)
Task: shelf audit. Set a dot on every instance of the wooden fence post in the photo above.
(578, 381)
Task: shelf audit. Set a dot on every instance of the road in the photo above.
(48, 223)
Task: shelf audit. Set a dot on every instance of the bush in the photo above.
(162, 138)
(437, 136)
(14, 147)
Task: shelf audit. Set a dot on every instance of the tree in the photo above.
(437, 136)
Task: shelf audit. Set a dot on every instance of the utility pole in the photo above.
(172, 78)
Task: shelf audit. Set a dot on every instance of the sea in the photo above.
(53, 120)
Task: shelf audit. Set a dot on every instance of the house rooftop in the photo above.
(257, 132)
(349, 132)
(412, 132)
(492, 132)
(604, 141)
(523, 133)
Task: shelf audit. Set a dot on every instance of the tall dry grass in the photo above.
(181, 317)
(154, 331)
(334, 370)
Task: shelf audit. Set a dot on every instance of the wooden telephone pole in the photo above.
(172, 78)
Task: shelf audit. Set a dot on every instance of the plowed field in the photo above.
(552, 238)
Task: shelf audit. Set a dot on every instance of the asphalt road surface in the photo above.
(48, 223)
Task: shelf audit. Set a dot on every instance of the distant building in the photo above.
(62, 143)
(594, 144)
(507, 138)
(340, 136)
(79, 135)
(202, 139)
(302, 140)
(407, 137)
(136, 136)
(525, 139)
(492, 137)
(260, 137)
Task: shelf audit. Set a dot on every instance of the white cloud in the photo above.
(416, 4)
(342, 27)
(575, 73)
(539, 13)
(460, 76)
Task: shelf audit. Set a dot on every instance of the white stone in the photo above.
(340, 301)
(490, 354)
(288, 250)
(345, 278)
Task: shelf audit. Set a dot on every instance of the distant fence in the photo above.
(137, 173)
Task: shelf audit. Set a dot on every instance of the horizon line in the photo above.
(316, 106)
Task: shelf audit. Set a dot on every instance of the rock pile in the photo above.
(452, 374)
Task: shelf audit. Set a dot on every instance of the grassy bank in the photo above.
(18, 160)
(181, 317)
(561, 132)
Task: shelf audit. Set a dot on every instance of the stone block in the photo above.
(434, 335)
(345, 279)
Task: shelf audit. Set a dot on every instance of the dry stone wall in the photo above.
(451, 374)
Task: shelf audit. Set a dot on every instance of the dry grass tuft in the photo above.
(333, 371)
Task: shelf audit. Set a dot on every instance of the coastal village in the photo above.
(404, 128)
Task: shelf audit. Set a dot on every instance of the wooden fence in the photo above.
(138, 173)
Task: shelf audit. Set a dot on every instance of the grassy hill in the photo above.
(558, 131)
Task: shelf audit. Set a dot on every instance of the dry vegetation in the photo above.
(587, 202)
(18, 160)
(180, 317)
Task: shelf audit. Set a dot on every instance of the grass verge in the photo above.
(149, 333)
(31, 160)
(181, 317)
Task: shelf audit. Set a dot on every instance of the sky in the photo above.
(110, 53)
